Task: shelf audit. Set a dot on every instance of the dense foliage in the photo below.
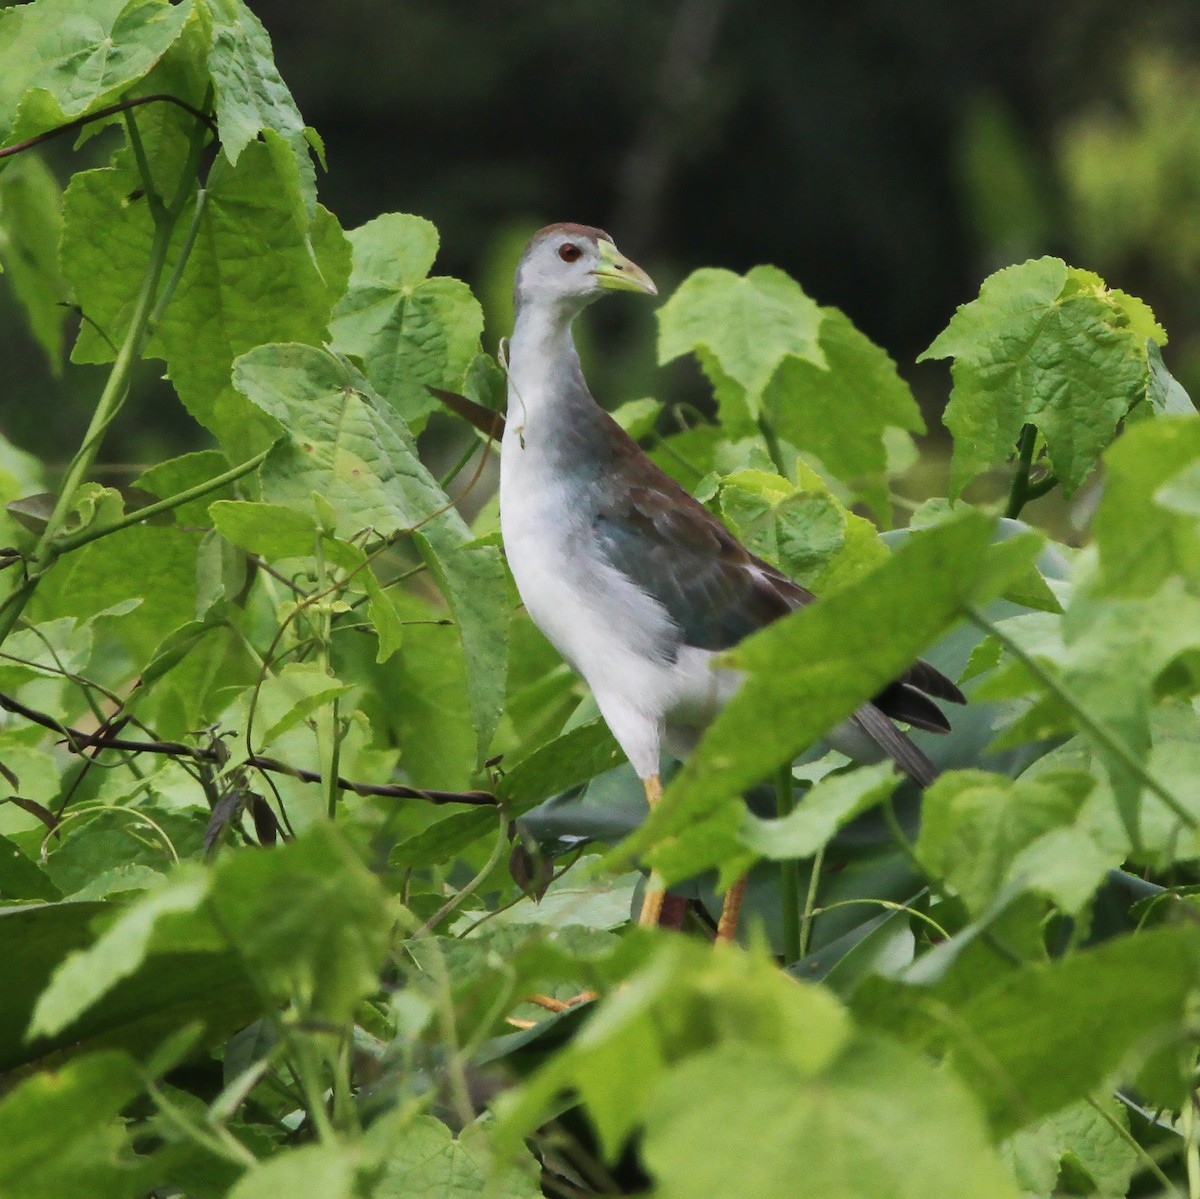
(308, 840)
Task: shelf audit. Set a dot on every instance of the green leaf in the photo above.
(291, 696)
(1144, 527)
(815, 667)
(310, 920)
(225, 303)
(426, 1161)
(21, 877)
(743, 327)
(30, 228)
(272, 531)
(175, 475)
(474, 581)
(252, 97)
(1108, 654)
(1166, 394)
(981, 832)
(1092, 1014)
(568, 760)
(59, 60)
(61, 1132)
(831, 803)
(309, 1172)
(1049, 345)
(443, 839)
(342, 443)
(840, 413)
(87, 975)
(177, 986)
(1079, 1141)
(684, 1001)
(112, 572)
(805, 530)
(880, 1123)
(409, 331)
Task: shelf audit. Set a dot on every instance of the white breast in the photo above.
(609, 630)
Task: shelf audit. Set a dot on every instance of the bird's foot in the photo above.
(730, 911)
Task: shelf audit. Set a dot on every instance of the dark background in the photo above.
(888, 155)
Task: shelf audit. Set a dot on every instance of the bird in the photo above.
(636, 584)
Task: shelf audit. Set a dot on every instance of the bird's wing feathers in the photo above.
(713, 588)
(717, 593)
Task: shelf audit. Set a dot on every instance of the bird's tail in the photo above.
(895, 744)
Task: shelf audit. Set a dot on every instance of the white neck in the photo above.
(541, 359)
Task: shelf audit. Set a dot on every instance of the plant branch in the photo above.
(1095, 728)
(789, 872)
(80, 742)
(102, 114)
(84, 536)
(1023, 491)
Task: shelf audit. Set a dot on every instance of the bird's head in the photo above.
(565, 267)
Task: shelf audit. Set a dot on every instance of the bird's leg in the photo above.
(730, 910)
(652, 900)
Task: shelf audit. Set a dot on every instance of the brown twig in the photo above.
(100, 114)
(80, 742)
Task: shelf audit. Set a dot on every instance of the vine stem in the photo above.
(789, 872)
(466, 892)
(1095, 728)
(1018, 495)
(810, 903)
(116, 387)
(84, 536)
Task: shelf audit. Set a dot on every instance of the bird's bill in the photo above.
(618, 273)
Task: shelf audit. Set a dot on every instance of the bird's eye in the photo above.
(569, 251)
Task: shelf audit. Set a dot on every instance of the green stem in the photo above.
(116, 387)
(1019, 493)
(66, 544)
(1104, 736)
(810, 903)
(1148, 1162)
(774, 449)
(456, 900)
(789, 872)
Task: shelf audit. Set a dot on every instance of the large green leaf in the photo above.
(60, 59)
(172, 988)
(743, 327)
(310, 920)
(410, 331)
(685, 1001)
(1145, 528)
(815, 667)
(840, 412)
(1094, 1015)
(225, 302)
(879, 1123)
(61, 1133)
(426, 1161)
(30, 228)
(981, 833)
(252, 97)
(1049, 345)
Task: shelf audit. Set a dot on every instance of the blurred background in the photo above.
(887, 155)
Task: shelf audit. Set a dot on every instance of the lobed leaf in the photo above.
(60, 60)
(1048, 345)
(743, 328)
(410, 332)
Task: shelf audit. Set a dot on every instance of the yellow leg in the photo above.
(652, 900)
(730, 910)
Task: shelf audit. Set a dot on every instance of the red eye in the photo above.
(569, 251)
